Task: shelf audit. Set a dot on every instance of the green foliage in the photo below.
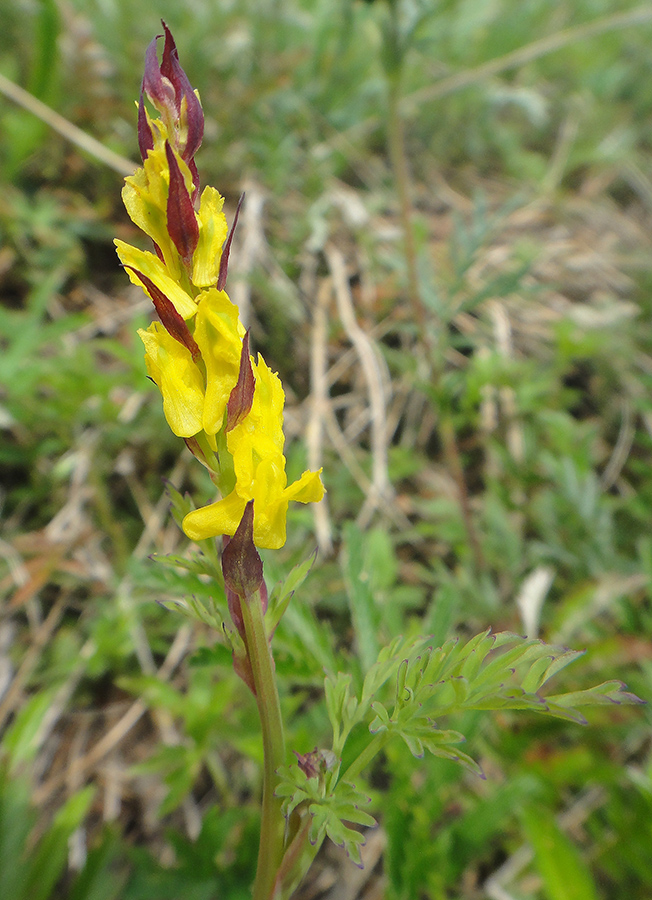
(217, 864)
(565, 874)
(22, 133)
(431, 683)
(33, 860)
(329, 810)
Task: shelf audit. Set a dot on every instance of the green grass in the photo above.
(528, 200)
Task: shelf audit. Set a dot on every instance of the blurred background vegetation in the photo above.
(445, 251)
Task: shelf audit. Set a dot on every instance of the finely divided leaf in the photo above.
(283, 591)
(502, 671)
(329, 811)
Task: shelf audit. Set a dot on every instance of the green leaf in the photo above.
(325, 821)
(100, 878)
(565, 874)
(283, 591)
(329, 811)
(180, 504)
(195, 563)
(433, 682)
(558, 664)
(17, 818)
(22, 738)
(305, 639)
(477, 650)
(208, 611)
(330, 815)
(47, 863)
(387, 665)
(154, 692)
(217, 655)
(341, 706)
(610, 692)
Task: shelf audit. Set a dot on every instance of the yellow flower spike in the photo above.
(151, 266)
(214, 395)
(256, 445)
(212, 234)
(171, 366)
(218, 333)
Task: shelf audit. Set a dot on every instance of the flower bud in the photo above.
(241, 562)
(170, 91)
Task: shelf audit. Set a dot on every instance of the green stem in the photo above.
(272, 828)
(297, 860)
(363, 759)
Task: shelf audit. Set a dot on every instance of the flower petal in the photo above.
(170, 365)
(151, 266)
(222, 517)
(212, 232)
(307, 489)
(219, 334)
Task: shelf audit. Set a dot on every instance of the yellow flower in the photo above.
(198, 355)
(145, 197)
(256, 445)
(212, 234)
(192, 402)
(171, 366)
(219, 334)
(152, 267)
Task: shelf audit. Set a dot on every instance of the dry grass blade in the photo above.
(318, 409)
(14, 694)
(621, 449)
(251, 248)
(66, 129)
(380, 486)
(82, 765)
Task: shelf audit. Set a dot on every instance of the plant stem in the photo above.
(298, 858)
(272, 828)
(363, 759)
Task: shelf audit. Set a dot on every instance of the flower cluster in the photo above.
(227, 406)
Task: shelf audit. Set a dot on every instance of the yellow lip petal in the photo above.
(219, 335)
(212, 234)
(222, 517)
(170, 365)
(307, 489)
(151, 266)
